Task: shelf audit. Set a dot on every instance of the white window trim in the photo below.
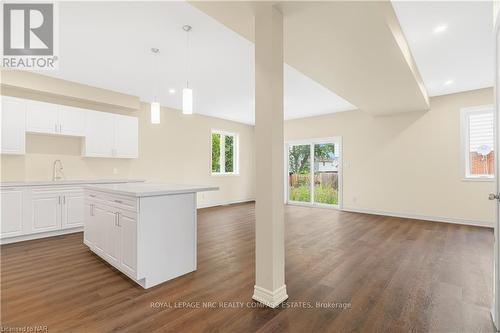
(464, 139)
(222, 156)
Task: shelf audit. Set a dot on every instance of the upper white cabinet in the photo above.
(42, 117)
(111, 135)
(71, 120)
(126, 136)
(99, 134)
(106, 134)
(13, 118)
(50, 118)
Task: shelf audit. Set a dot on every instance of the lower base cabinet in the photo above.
(41, 211)
(12, 204)
(112, 233)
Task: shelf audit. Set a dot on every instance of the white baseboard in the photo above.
(40, 235)
(223, 203)
(270, 298)
(454, 220)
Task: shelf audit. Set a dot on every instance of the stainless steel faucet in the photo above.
(58, 173)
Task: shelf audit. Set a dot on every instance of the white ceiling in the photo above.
(462, 54)
(107, 44)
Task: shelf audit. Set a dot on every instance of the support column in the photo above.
(270, 286)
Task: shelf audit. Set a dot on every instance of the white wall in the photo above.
(407, 164)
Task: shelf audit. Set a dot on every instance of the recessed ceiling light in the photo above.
(171, 91)
(449, 82)
(440, 28)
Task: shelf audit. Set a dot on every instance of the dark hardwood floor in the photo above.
(353, 272)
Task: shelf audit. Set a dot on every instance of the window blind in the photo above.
(481, 133)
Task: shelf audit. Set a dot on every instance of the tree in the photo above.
(215, 152)
(298, 157)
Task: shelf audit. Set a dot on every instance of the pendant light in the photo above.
(187, 93)
(155, 106)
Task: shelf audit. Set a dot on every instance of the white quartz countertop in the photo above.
(150, 189)
(68, 182)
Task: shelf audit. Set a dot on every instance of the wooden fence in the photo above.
(320, 178)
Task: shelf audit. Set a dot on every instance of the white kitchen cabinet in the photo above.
(127, 224)
(111, 230)
(12, 201)
(90, 224)
(106, 134)
(42, 117)
(102, 216)
(48, 118)
(55, 208)
(36, 211)
(71, 120)
(46, 211)
(112, 233)
(99, 134)
(72, 209)
(126, 136)
(111, 135)
(13, 118)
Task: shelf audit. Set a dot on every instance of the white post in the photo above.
(270, 286)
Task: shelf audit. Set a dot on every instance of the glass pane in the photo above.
(299, 168)
(326, 174)
(229, 153)
(215, 152)
(481, 138)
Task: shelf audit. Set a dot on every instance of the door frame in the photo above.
(337, 140)
(495, 310)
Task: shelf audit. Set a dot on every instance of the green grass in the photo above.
(322, 194)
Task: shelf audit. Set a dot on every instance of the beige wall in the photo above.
(177, 150)
(406, 164)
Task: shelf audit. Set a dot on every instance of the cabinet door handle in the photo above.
(118, 219)
(92, 195)
(59, 197)
(60, 128)
(64, 200)
(118, 201)
(91, 209)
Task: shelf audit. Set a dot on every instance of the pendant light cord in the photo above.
(157, 75)
(187, 58)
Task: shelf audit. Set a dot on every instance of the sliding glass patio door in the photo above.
(314, 172)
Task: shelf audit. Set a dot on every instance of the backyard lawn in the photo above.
(322, 194)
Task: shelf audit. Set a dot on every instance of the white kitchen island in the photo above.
(145, 230)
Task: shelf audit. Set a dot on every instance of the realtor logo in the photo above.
(29, 32)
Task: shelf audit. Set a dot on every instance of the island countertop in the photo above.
(150, 189)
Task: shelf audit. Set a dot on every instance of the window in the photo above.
(478, 138)
(224, 153)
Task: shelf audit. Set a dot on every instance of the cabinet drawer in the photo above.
(118, 201)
